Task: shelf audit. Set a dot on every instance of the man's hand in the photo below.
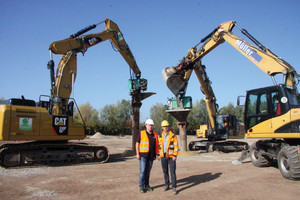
(137, 147)
(174, 158)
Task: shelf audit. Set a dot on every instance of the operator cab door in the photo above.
(263, 110)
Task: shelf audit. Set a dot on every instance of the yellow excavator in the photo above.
(220, 127)
(44, 130)
(272, 114)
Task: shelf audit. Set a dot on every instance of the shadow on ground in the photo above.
(191, 181)
(119, 157)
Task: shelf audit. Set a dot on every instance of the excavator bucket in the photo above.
(175, 82)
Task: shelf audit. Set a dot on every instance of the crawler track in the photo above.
(224, 146)
(50, 153)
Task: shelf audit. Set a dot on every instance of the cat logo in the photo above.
(92, 41)
(60, 121)
(60, 125)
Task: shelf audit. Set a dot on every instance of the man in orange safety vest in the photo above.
(168, 155)
(147, 148)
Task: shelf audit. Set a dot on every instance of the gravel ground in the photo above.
(200, 175)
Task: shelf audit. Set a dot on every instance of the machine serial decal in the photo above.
(249, 51)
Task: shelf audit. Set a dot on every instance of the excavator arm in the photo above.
(77, 43)
(262, 57)
(63, 80)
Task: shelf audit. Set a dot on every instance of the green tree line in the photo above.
(115, 119)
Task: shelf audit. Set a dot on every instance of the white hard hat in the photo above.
(149, 121)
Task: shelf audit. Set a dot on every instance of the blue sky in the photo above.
(159, 34)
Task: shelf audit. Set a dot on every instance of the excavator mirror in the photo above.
(239, 101)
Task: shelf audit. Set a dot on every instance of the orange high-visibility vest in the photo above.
(144, 142)
(172, 147)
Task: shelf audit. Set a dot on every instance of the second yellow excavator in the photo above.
(271, 113)
(220, 128)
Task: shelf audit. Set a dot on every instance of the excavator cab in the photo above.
(272, 106)
(226, 126)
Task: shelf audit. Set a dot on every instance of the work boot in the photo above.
(174, 191)
(142, 189)
(148, 188)
(166, 187)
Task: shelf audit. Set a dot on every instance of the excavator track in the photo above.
(230, 146)
(50, 153)
(223, 146)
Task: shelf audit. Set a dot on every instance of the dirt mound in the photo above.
(98, 135)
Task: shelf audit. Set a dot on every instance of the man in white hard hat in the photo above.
(147, 148)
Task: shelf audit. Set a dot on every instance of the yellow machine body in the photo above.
(26, 123)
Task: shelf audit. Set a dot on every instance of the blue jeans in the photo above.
(165, 164)
(145, 168)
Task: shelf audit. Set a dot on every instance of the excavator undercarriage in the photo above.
(50, 153)
(223, 146)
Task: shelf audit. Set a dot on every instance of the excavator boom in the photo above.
(80, 43)
(262, 57)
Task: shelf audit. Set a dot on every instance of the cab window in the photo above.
(292, 98)
(257, 109)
